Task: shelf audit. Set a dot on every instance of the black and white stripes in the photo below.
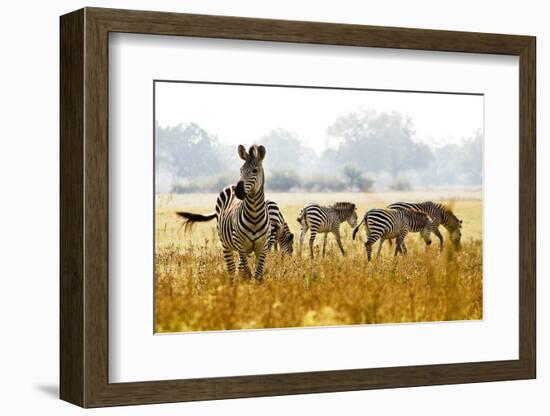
(249, 223)
(321, 219)
(281, 236)
(440, 215)
(382, 224)
(243, 226)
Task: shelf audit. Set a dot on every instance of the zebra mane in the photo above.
(452, 219)
(343, 208)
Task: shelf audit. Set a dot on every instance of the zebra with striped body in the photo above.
(320, 219)
(281, 236)
(243, 218)
(383, 224)
(440, 215)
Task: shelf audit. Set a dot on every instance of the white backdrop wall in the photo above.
(29, 158)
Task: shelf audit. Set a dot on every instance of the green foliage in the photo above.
(355, 178)
(285, 151)
(283, 181)
(380, 142)
(324, 183)
(186, 151)
(366, 147)
(400, 184)
(204, 184)
(459, 164)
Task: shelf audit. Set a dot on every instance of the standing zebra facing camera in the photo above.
(440, 214)
(321, 219)
(383, 224)
(281, 236)
(243, 220)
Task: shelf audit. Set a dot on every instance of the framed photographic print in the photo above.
(255, 207)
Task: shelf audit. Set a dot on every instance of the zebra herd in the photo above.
(248, 223)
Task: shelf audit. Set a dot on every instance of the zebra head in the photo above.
(456, 234)
(352, 220)
(425, 233)
(287, 240)
(252, 171)
(426, 223)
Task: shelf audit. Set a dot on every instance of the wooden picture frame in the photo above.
(84, 207)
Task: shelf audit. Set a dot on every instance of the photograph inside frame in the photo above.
(281, 206)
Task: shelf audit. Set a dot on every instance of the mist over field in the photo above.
(361, 141)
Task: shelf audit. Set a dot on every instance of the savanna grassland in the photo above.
(193, 292)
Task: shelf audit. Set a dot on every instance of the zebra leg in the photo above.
(325, 243)
(244, 270)
(399, 243)
(302, 236)
(339, 241)
(271, 242)
(438, 235)
(380, 247)
(312, 236)
(260, 259)
(368, 246)
(229, 261)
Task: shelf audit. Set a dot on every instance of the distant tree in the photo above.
(379, 142)
(459, 164)
(352, 173)
(365, 184)
(324, 183)
(283, 181)
(355, 179)
(217, 183)
(186, 151)
(400, 184)
(285, 151)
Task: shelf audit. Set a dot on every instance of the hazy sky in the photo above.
(243, 114)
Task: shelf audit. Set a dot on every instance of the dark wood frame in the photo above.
(84, 207)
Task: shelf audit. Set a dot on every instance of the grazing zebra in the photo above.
(386, 224)
(320, 219)
(243, 219)
(439, 214)
(281, 236)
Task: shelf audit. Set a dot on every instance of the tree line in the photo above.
(368, 150)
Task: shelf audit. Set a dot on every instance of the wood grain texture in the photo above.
(96, 222)
(528, 208)
(84, 204)
(71, 213)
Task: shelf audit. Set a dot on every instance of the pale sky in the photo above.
(243, 114)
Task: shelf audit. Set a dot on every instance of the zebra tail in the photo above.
(189, 219)
(357, 229)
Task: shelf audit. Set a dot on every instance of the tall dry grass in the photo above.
(193, 292)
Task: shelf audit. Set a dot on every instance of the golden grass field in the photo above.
(193, 292)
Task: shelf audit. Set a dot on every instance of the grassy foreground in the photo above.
(193, 293)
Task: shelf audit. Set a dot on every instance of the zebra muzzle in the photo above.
(239, 190)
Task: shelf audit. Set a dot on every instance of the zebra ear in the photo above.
(242, 152)
(260, 153)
